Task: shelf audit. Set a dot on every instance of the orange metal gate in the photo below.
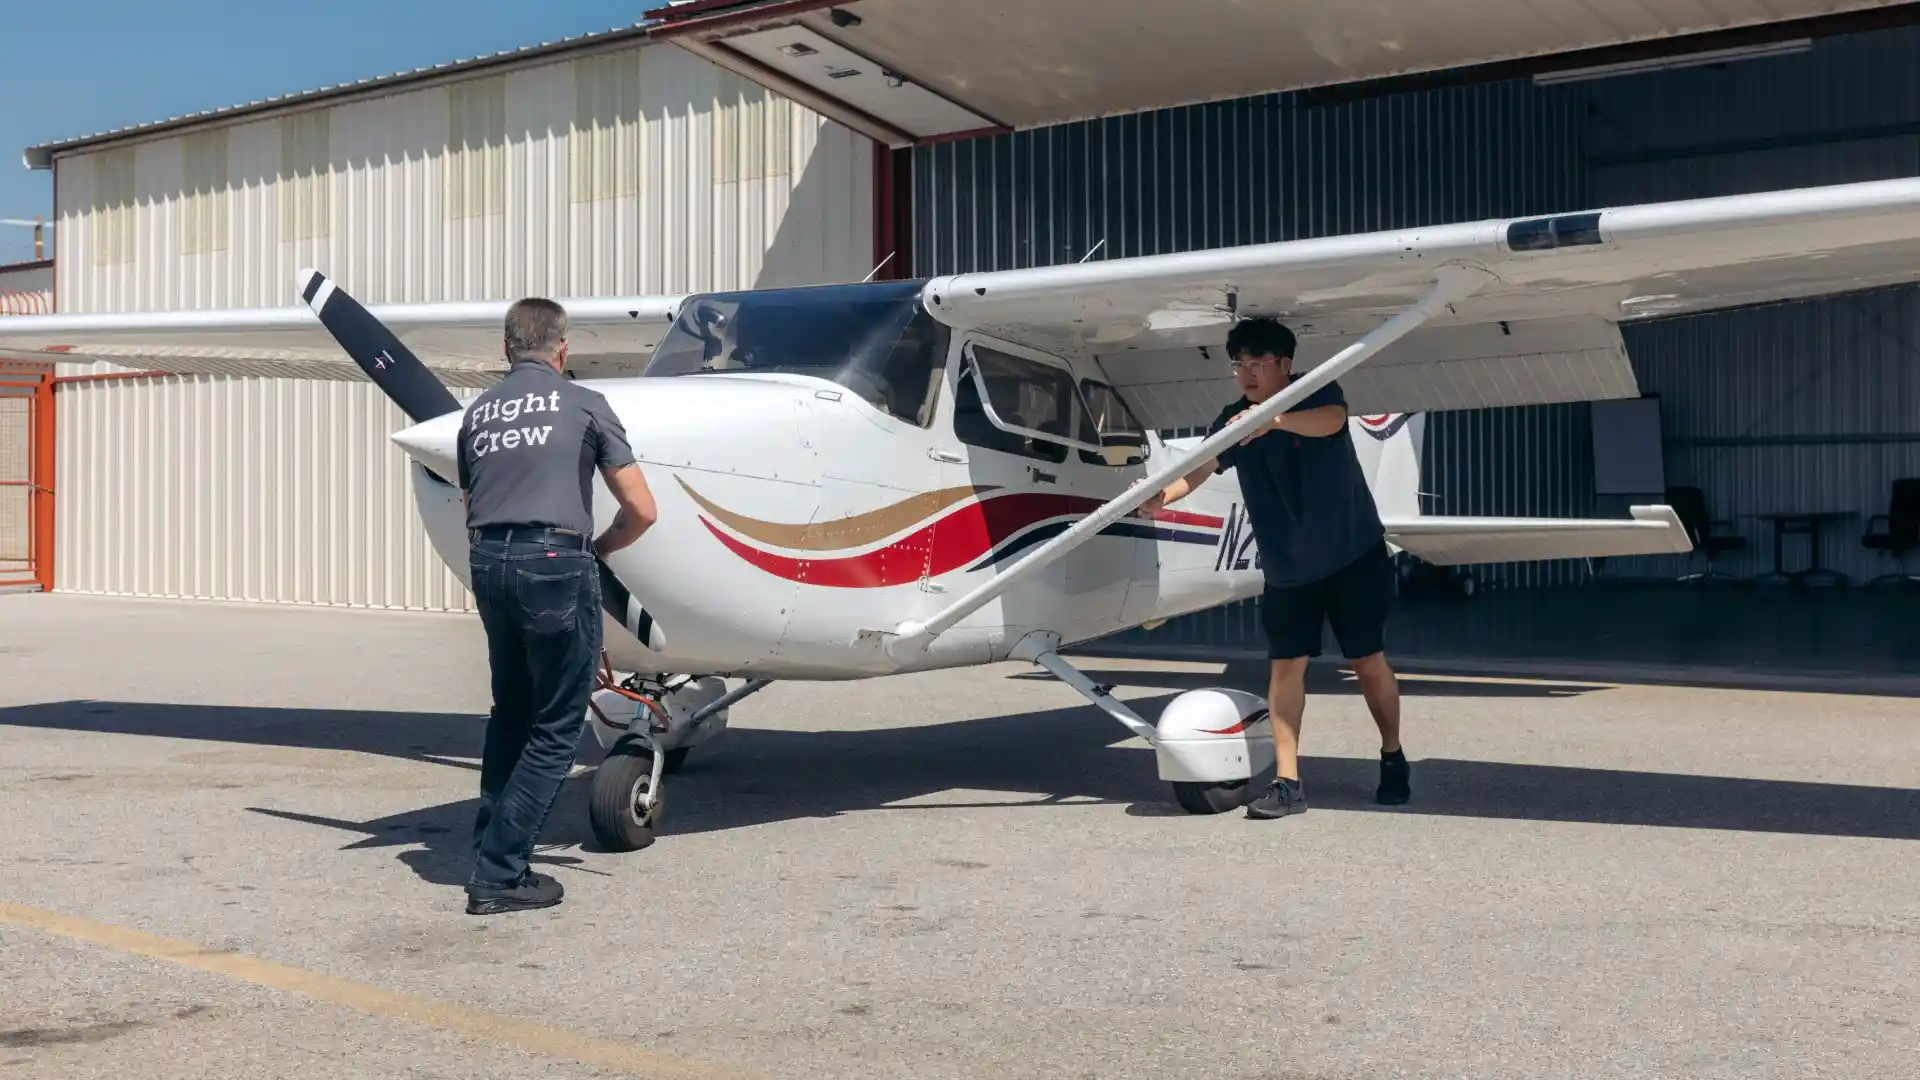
(26, 476)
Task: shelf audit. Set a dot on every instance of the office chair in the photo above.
(1690, 503)
(1902, 532)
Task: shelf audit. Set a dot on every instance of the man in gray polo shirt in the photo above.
(528, 450)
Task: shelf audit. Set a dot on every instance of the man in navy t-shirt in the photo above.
(1322, 550)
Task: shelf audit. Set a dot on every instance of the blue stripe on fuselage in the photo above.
(1136, 530)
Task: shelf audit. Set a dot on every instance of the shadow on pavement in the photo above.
(755, 776)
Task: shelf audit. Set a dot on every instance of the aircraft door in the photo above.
(1030, 445)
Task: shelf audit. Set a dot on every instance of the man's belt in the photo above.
(532, 534)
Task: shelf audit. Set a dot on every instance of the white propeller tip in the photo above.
(314, 288)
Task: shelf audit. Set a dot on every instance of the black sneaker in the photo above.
(533, 891)
(1283, 798)
(1394, 775)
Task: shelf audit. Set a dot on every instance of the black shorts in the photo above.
(1354, 599)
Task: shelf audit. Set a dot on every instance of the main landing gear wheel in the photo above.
(1197, 798)
(623, 807)
(1209, 743)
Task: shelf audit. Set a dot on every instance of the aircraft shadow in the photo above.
(755, 776)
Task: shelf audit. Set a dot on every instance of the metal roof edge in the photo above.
(41, 156)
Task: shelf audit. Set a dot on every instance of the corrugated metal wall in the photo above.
(221, 488)
(1275, 168)
(1798, 407)
(1244, 172)
(644, 169)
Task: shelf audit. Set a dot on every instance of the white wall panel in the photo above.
(290, 491)
(221, 488)
(464, 190)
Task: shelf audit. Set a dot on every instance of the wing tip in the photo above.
(1665, 516)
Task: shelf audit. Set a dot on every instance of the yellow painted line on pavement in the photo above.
(373, 1000)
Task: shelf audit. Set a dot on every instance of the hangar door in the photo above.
(26, 471)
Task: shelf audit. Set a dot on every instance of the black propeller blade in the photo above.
(391, 365)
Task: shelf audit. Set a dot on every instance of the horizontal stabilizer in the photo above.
(1458, 541)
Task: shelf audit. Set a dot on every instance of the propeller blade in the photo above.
(392, 366)
(628, 611)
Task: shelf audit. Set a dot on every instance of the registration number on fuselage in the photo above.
(1236, 551)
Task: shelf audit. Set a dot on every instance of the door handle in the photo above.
(949, 456)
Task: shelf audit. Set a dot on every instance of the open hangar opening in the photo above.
(1792, 425)
(704, 150)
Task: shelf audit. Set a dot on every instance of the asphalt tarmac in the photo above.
(235, 838)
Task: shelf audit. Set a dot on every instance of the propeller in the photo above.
(402, 377)
(392, 366)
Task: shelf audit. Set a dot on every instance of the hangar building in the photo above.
(595, 166)
(729, 143)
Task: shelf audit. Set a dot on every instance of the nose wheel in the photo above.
(658, 722)
(626, 803)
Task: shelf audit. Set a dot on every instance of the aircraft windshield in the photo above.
(873, 339)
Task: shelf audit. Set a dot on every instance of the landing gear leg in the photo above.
(1208, 745)
(668, 717)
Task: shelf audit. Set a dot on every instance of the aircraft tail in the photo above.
(1390, 447)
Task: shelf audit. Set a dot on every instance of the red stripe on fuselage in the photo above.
(941, 547)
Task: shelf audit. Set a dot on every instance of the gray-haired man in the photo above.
(528, 448)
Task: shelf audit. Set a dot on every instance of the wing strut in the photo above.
(1452, 282)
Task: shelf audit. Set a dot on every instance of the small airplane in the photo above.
(866, 479)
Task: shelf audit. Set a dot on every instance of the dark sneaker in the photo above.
(533, 891)
(1394, 775)
(1283, 798)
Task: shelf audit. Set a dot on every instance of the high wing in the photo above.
(1490, 313)
(1547, 329)
(459, 342)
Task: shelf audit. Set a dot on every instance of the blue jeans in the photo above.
(538, 591)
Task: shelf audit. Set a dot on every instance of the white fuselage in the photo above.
(796, 519)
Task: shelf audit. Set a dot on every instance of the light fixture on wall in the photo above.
(1673, 63)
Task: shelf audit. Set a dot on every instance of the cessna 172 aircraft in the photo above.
(867, 479)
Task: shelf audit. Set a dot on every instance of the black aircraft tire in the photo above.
(1197, 798)
(612, 810)
(675, 758)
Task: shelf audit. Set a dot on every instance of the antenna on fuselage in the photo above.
(875, 270)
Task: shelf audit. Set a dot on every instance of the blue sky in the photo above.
(78, 66)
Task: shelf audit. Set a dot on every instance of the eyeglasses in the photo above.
(1236, 365)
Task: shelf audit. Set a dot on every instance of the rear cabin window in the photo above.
(1123, 441)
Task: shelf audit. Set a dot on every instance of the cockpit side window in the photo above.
(1038, 399)
(972, 426)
